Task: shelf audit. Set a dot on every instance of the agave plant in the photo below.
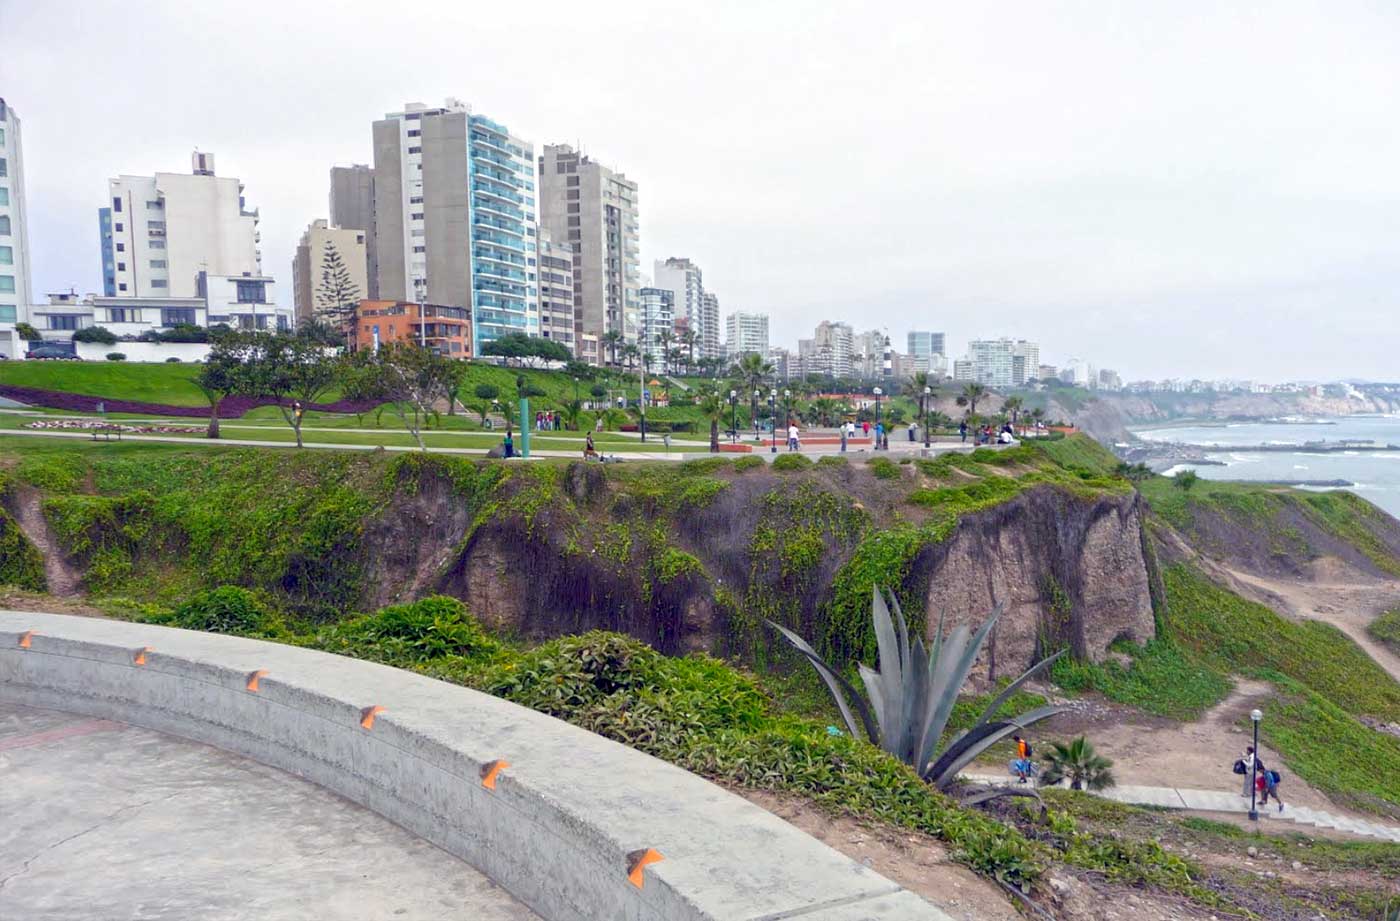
(911, 697)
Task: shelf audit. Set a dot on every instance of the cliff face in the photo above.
(1070, 572)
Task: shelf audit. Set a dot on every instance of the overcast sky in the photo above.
(1168, 189)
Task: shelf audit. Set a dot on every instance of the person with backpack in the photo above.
(1022, 766)
(1267, 785)
(1247, 767)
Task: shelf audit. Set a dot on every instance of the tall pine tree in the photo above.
(337, 295)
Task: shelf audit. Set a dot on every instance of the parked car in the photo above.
(40, 352)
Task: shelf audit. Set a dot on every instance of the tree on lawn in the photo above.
(487, 394)
(410, 378)
(221, 374)
(689, 339)
(1013, 408)
(291, 370)
(712, 407)
(526, 349)
(972, 393)
(337, 294)
(612, 340)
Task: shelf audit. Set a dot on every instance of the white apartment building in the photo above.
(239, 301)
(454, 216)
(15, 292)
(658, 316)
(160, 232)
(698, 308)
(829, 351)
(745, 333)
(593, 211)
(316, 254)
(1004, 362)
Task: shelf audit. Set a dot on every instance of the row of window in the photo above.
(4, 196)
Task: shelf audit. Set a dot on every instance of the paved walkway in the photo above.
(106, 820)
(1221, 801)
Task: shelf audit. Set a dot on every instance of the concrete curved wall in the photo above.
(561, 823)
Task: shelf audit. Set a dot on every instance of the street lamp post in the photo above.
(928, 412)
(575, 390)
(733, 416)
(787, 413)
(757, 395)
(878, 392)
(773, 412)
(1254, 716)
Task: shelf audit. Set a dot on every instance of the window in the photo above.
(414, 132)
(57, 321)
(123, 315)
(414, 150)
(8, 313)
(2, 137)
(121, 247)
(7, 284)
(7, 255)
(573, 222)
(416, 200)
(157, 263)
(119, 226)
(418, 232)
(121, 287)
(4, 196)
(420, 249)
(573, 207)
(252, 292)
(116, 204)
(159, 283)
(177, 316)
(570, 180)
(155, 226)
(4, 167)
(155, 244)
(417, 215)
(121, 266)
(571, 194)
(559, 167)
(150, 205)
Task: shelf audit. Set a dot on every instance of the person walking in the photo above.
(1267, 785)
(588, 450)
(793, 443)
(913, 433)
(1022, 764)
(962, 431)
(1248, 762)
(865, 429)
(879, 435)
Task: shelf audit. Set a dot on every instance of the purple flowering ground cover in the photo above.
(231, 408)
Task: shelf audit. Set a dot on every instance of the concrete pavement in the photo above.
(102, 819)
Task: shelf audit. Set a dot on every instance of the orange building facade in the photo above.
(446, 330)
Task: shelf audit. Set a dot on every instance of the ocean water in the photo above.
(1375, 473)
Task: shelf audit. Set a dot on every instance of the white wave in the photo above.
(1300, 466)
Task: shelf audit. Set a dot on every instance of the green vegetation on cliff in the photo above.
(1386, 628)
(21, 563)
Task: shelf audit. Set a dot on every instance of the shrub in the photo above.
(172, 360)
(116, 356)
(406, 634)
(99, 334)
(883, 468)
(791, 462)
(227, 609)
(832, 460)
(28, 333)
(748, 462)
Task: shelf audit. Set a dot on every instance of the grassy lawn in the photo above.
(125, 380)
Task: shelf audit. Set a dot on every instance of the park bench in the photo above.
(105, 432)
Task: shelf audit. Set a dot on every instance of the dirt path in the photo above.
(1157, 752)
(1339, 595)
(64, 580)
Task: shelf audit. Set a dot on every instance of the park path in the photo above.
(1220, 801)
(63, 580)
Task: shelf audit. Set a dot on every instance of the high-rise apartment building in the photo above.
(868, 353)
(159, 233)
(926, 344)
(328, 272)
(556, 282)
(829, 351)
(592, 210)
(454, 215)
(352, 208)
(745, 333)
(15, 291)
(696, 306)
(658, 316)
(1003, 362)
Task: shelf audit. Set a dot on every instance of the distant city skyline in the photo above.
(1221, 208)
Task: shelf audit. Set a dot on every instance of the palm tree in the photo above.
(971, 393)
(675, 356)
(712, 407)
(1012, 407)
(916, 385)
(612, 340)
(824, 409)
(664, 339)
(1078, 762)
(629, 355)
(753, 369)
(689, 338)
(1038, 415)
(1134, 473)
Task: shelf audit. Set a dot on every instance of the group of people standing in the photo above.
(986, 435)
(1258, 779)
(548, 421)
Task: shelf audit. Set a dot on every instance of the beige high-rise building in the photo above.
(592, 210)
(319, 288)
